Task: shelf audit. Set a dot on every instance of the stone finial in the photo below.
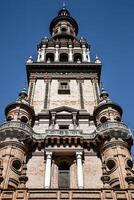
(30, 60)
(64, 5)
(97, 60)
(104, 95)
(22, 98)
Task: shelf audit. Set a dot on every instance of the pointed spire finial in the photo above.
(64, 5)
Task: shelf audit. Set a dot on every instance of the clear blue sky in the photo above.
(108, 25)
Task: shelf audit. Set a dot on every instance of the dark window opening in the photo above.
(63, 29)
(63, 126)
(24, 119)
(63, 57)
(64, 88)
(103, 119)
(9, 118)
(111, 164)
(16, 164)
(130, 163)
(50, 57)
(77, 58)
(64, 175)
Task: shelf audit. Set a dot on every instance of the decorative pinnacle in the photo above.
(64, 5)
(97, 60)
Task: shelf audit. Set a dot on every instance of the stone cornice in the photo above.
(69, 75)
(63, 68)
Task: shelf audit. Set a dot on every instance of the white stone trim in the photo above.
(79, 169)
(48, 169)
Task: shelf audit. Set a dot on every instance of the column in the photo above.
(84, 54)
(88, 55)
(70, 54)
(43, 54)
(48, 169)
(57, 53)
(79, 169)
(39, 55)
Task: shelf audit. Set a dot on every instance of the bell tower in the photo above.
(64, 138)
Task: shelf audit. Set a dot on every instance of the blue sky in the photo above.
(108, 25)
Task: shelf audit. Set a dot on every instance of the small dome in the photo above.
(63, 14)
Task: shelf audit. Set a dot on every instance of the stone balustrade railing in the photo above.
(67, 132)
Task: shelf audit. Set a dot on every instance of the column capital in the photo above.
(48, 154)
(94, 79)
(79, 154)
(47, 78)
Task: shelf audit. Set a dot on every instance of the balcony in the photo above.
(64, 132)
(17, 125)
(119, 126)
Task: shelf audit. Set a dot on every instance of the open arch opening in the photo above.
(63, 57)
(77, 57)
(50, 57)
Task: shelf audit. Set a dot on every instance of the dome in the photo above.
(63, 14)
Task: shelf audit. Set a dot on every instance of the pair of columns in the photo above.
(79, 169)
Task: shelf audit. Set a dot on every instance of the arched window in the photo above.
(64, 175)
(63, 29)
(77, 57)
(24, 119)
(103, 119)
(49, 57)
(9, 118)
(63, 57)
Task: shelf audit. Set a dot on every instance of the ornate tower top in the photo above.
(63, 25)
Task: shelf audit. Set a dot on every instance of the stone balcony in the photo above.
(64, 132)
(116, 127)
(16, 129)
(16, 124)
(67, 194)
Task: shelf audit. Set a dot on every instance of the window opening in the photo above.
(64, 88)
(63, 57)
(63, 126)
(64, 175)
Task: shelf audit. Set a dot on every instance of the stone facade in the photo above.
(65, 139)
